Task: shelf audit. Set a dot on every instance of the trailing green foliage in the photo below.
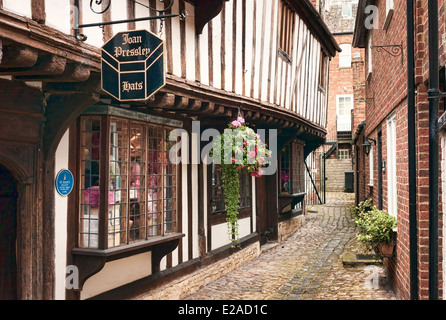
(238, 148)
(231, 185)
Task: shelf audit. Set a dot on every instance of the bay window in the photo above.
(128, 188)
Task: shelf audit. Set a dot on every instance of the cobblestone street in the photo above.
(308, 265)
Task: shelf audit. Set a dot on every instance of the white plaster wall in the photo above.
(57, 15)
(60, 220)
(20, 7)
(220, 236)
(118, 273)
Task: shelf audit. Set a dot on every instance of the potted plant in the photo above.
(376, 230)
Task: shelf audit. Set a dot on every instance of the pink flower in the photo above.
(236, 123)
(252, 154)
(233, 160)
(241, 120)
(257, 174)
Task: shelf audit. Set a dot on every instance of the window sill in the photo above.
(91, 261)
(129, 248)
(388, 19)
(290, 199)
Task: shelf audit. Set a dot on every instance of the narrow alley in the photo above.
(308, 265)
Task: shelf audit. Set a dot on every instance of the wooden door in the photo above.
(8, 235)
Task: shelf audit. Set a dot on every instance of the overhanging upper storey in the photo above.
(361, 31)
(308, 13)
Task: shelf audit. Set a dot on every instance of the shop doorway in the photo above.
(8, 235)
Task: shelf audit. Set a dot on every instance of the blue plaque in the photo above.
(64, 182)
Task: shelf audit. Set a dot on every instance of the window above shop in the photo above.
(286, 25)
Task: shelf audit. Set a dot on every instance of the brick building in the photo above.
(134, 220)
(387, 171)
(345, 109)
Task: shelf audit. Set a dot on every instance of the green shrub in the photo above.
(375, 226)
(363, 207)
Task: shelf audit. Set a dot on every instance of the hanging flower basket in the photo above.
(238, 148)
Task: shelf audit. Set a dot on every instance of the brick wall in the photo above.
(341, 83)
(387, 85)
(335, 174)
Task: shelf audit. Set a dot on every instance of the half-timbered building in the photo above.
(134, 221)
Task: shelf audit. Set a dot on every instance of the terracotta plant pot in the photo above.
(386, 249)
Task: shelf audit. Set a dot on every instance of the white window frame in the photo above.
(345, 154)
(369, 55)
(345, 56)
(389, 13)
(371, 166)
(350, 13)
(338, 97)
(392, 197)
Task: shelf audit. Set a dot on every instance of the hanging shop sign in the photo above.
(64, 182)
(133, 65)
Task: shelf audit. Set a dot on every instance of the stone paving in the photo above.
(308, 265)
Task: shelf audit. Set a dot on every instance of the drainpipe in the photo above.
(433, 96)
(413, 241)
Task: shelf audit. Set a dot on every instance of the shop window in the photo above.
(126, 162)
(217, 191)
(291, 180)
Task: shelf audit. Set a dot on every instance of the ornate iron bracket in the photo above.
(394, 50)
(100, 7)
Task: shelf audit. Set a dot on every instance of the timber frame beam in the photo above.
(66, 66)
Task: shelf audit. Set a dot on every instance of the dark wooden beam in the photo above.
(14, 56)
(49, 64)
(72, 73)
(61, 110)
(205, 11)
(163, 100)
(38, 11)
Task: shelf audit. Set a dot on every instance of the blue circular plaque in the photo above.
(64, 182)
